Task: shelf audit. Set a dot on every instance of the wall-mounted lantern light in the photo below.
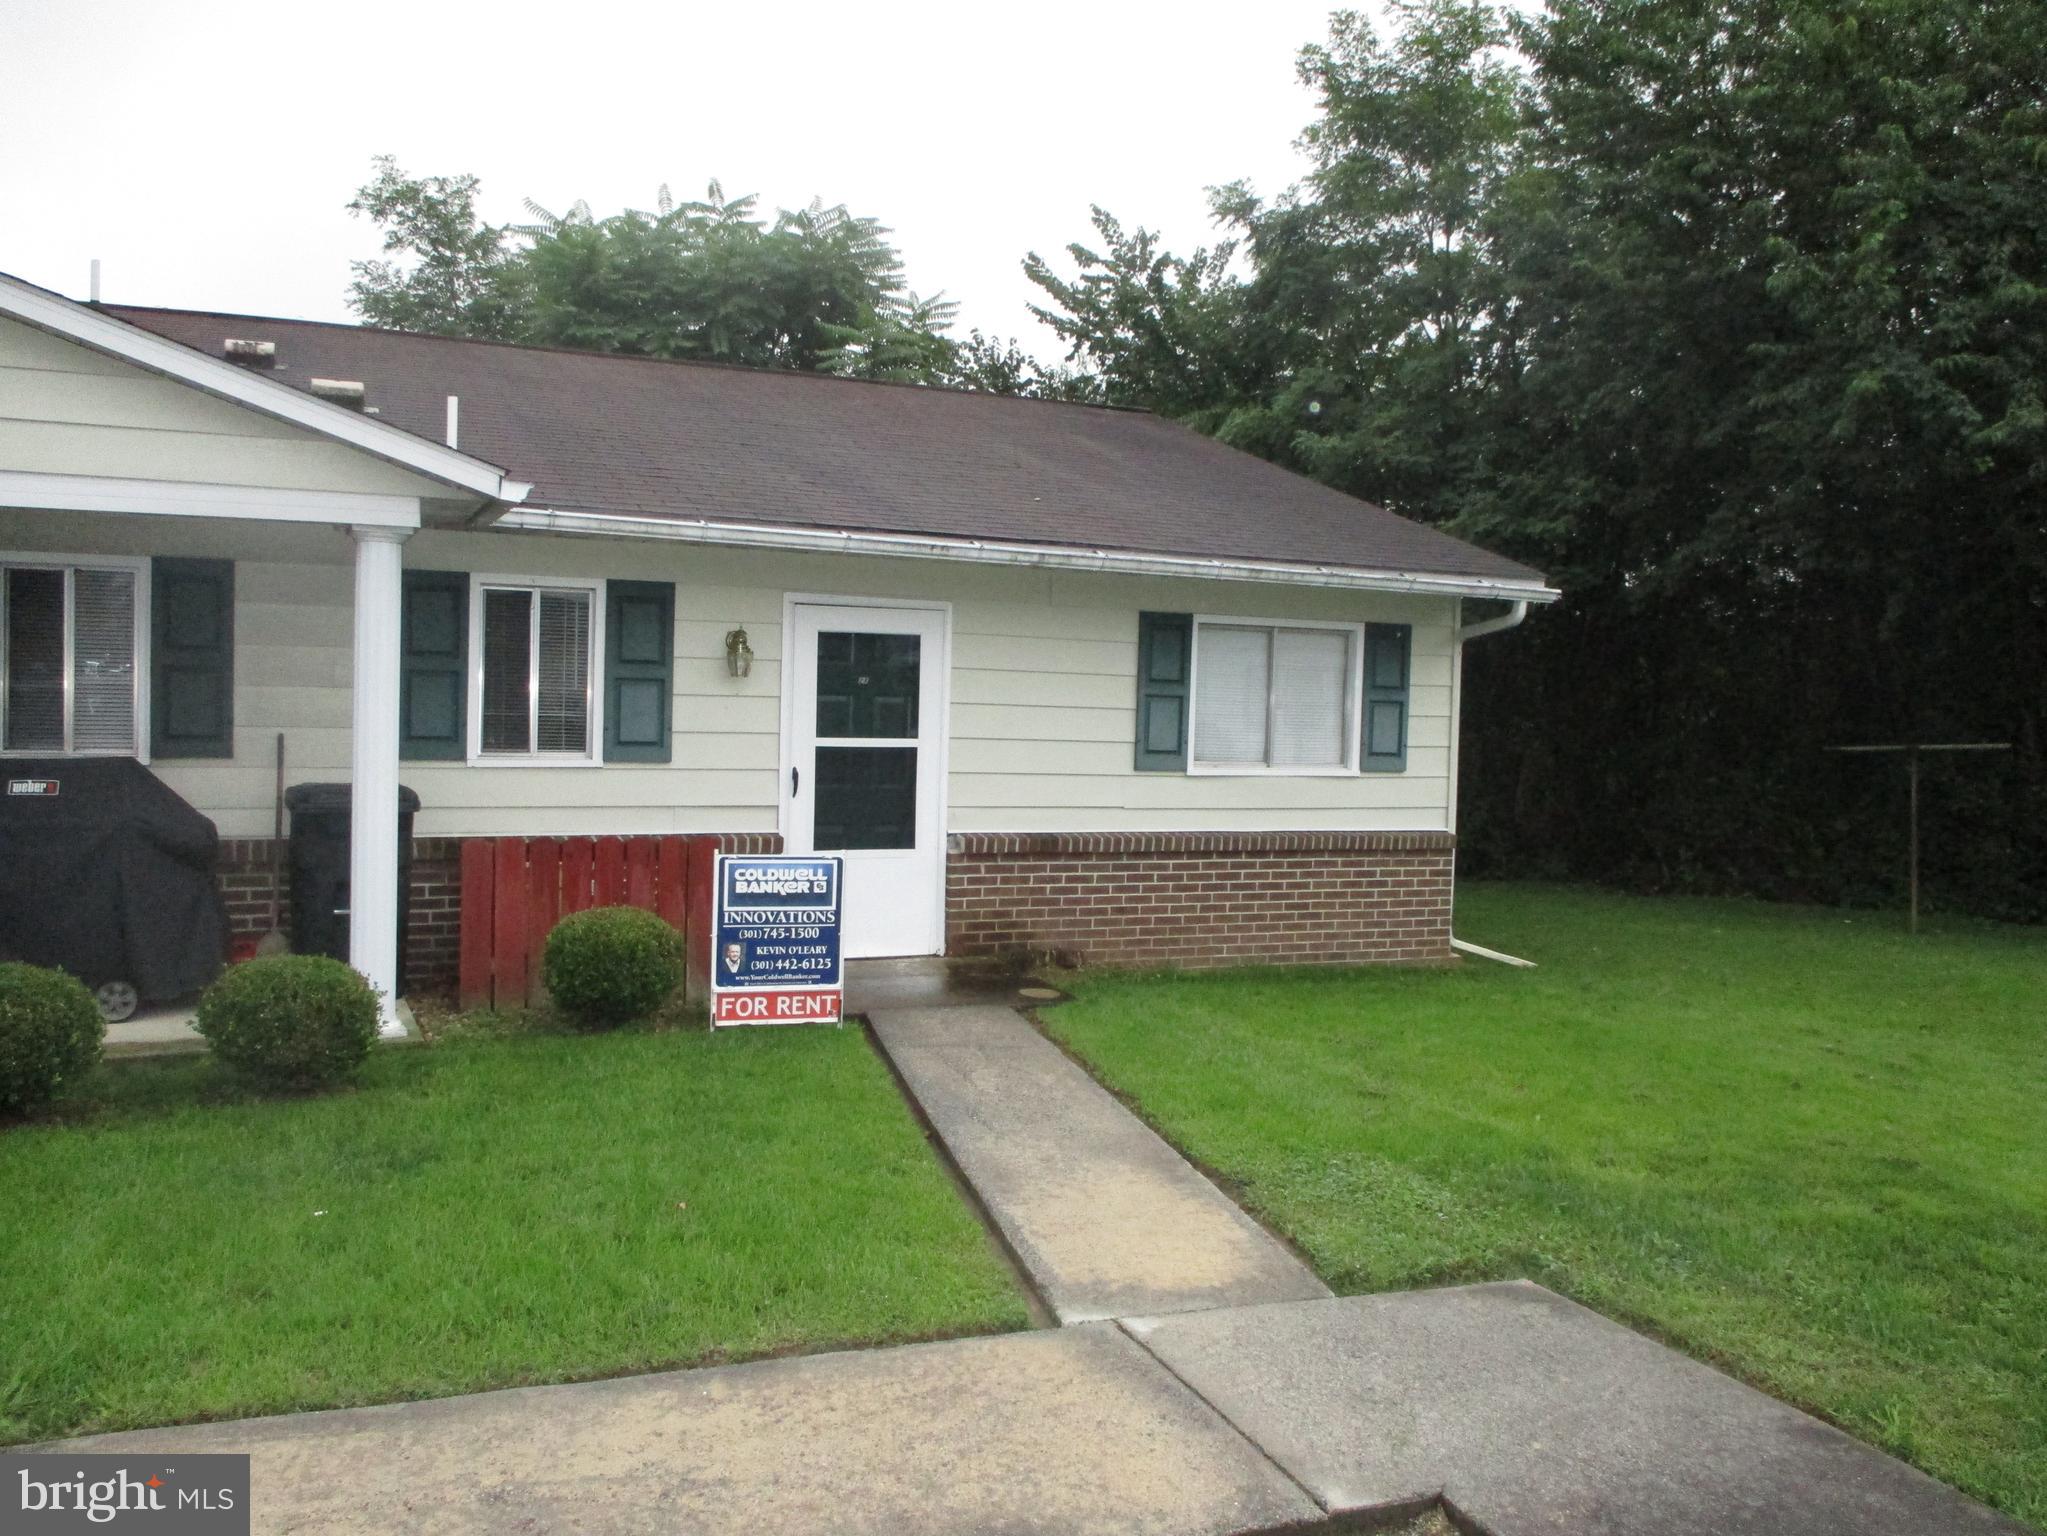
(738, 654)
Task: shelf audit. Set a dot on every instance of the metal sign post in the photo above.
(1912, 749)
(776, 959)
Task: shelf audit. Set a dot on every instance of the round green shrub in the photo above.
(290, 1021)
(50, 1035)
(612, 964)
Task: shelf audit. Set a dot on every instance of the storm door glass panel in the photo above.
(1310, 680)
(103, 661)
(866, 797)
(564, 723)
(1232, 688)
(507, 671)
(35, 661)
(867, 685)
(867, 688)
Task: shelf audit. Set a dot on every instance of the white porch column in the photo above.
(373, 805)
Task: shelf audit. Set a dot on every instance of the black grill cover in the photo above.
(111, 878)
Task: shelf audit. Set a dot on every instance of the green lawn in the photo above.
(476, 1214)
(1797, 1143)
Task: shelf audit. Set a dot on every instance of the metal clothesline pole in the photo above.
(1912, 749)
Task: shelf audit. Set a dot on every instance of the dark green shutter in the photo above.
(1386, 671)
(192, 658)
(1165, 655)
(433, 684)
(639, 670)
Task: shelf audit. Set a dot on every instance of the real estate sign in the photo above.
(776, 954)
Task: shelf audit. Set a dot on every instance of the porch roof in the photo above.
(469, 480)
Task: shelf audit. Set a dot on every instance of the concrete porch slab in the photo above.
(160, 1031)
(1077, 1430)
(1531, 1414)
(1104, 1217)
(930, 981)
(169, 1031)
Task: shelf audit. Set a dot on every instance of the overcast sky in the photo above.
(204, 151)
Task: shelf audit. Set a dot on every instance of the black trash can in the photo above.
(320, 819)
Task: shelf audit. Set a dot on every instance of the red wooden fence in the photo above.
(515, 889)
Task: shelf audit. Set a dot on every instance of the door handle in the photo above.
(795, 775)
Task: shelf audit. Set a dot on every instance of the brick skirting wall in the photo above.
(243, 873)
(434, 934)
(1202, 898)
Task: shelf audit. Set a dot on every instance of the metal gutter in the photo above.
(991, 552)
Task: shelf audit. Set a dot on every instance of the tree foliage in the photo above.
(816, 288)
(1732, 317)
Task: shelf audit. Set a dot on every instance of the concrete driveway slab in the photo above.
(1076, 1430)
(1105, 1218)
(1532, 1414)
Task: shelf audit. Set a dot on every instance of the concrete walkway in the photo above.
(1075, 1430)
(1105, 1219)
(1528, 1415)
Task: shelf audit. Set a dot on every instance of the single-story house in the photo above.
(1051, 677)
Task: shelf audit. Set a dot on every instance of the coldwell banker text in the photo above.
(185, 1494)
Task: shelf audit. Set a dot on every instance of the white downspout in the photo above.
(1508, 620)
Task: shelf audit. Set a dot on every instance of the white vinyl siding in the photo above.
(65, 409)
(1043, 691)
(71, 657)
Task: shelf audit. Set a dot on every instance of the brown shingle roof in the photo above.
(643, 436)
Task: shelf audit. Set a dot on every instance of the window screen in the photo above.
(35, 661)
(103, 661)
(536, 671)
(507, 663)
(1272, 697)
(70, 659)
(1311, 671)
(564, 705)
(1232, 684)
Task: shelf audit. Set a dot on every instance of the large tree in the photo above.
(1732, 316)
(816, 288)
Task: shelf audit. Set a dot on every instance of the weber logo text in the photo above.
(173, 1496)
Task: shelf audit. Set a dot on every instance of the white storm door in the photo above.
(865, 767)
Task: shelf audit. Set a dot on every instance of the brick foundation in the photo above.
(1202, 899)
(434, 934)
(243, 874)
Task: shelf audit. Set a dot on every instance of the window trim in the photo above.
(594, 587)
(139, 566)
(1353, 701)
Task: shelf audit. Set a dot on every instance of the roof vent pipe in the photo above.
(95, 279)
(454, 421)
(347, 393)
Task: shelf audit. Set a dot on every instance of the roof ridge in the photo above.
(617, 357)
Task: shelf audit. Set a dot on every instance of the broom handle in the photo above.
(277, 842)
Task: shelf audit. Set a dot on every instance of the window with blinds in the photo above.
(68, 662)
(535, 657)
(1274, 697)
